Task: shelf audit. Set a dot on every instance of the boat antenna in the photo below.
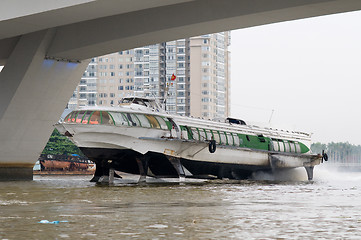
(271, 116)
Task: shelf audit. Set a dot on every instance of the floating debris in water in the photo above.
(53, 222)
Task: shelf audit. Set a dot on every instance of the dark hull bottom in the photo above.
(160, 165)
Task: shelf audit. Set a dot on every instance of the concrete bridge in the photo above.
(45, 44)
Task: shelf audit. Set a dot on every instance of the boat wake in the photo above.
(321, 174)
(295, 174)
(324, 173)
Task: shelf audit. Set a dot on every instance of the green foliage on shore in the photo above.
(341, 151)
(318, 147)
(59, 144)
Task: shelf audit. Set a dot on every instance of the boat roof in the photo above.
(150, 106)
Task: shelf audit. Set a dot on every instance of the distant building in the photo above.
(115, 77)
(210, 75)
(200, 66)
(85, 93)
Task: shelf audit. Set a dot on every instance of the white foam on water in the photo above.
(320, 173)
(158, 226)
(323, 173)
(296, 174)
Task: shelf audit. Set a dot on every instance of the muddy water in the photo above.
(264, 208)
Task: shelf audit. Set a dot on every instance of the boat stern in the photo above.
(295, 160)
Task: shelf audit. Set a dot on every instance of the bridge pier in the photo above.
(34, 91)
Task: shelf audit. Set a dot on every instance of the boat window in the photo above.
(236, 139)
(298, 147)
(240, 140)
(173, 125)
(229, 138)
(95, 118)
(202, 134)
(119, 119)
(248, 138)
(209, 134)
(68, 117)
(162, 123)
(133, 121)
(287, 146)
(79, 116)
(275, 145)
(184, 132)
(216, 136)
(143, 120)
(189, 131)
(169, 124)
(223, 138)
(292, 145)
(106, 119)
(73, 116)
(153, 121)
(282, 146)
(195, 133)
(86, 116)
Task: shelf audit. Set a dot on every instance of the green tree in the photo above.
(339, 152)
(59, 144)
(318, 147)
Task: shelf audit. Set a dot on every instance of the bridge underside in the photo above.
(44, 50)
(34, 92)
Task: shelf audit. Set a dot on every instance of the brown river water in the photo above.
(283, 207)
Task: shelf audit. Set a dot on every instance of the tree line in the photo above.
(342, 152)
(60, 145)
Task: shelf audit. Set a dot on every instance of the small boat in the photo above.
(140, 137)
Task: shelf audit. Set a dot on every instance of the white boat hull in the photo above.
(124, 145)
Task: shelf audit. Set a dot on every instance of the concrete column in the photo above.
(33, 94)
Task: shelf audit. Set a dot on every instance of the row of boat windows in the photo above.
(200, 134)
(234, 139)
(286, 146)
(118, 119)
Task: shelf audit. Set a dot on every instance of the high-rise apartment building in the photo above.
(154, 67)
(210, 75)
(85, 93)
(115, 77)
(200, 64)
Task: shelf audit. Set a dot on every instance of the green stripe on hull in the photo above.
(250, 141)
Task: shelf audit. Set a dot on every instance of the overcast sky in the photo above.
(308, 71)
